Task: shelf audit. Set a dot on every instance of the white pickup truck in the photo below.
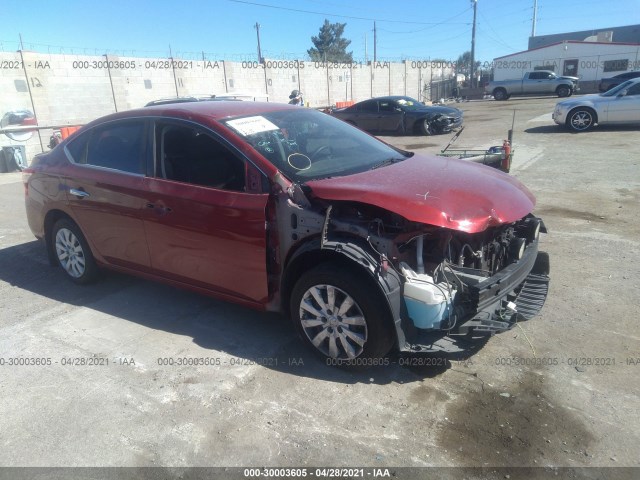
(539, 82)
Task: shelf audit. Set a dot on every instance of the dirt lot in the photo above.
(561, 390)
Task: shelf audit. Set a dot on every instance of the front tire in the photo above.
(563, 91)
(336, 313)
(581, 119)
(427, 128)
(72, 252)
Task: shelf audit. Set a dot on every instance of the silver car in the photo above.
(620, 105)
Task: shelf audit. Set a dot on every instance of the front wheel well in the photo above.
(591, 111)
(314, 257)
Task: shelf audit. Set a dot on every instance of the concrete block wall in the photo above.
(75, 89)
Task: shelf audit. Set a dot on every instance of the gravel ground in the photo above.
(560, 390)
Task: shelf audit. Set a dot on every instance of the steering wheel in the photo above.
(319, 150)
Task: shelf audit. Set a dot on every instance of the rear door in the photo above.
(204, 227)
(626, 109)
(104, 185)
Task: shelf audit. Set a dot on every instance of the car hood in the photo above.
(437, 109)
(584, 99)
(566, 77)
(444, 192)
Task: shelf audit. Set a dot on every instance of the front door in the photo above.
(390, 117)
(626, 109)
(202, 227)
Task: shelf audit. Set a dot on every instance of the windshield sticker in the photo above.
(251, 125)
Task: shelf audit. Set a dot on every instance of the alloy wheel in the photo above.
(70, 253)
(333, 322)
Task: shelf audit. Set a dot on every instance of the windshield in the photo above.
(615, 90)
(305, 144)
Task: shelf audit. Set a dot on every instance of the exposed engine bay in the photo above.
(452, 282)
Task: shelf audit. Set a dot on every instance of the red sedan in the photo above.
(365, 246)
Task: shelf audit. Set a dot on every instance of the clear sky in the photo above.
(224, 29)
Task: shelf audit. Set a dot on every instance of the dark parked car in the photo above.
(282, 208)
(608, 83)
(403, 115)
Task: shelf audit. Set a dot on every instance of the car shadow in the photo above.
(598, 128)
(248, 336)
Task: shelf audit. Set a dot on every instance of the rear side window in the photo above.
(119, 146)
(370, 106)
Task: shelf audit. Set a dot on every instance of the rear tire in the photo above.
(72, 252)
(500, 94)
(340, 317)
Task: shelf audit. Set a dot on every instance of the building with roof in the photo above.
(626, 34)
(588, 60)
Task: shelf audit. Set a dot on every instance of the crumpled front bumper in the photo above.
(494, 305)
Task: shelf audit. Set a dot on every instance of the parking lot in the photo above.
(560, 390)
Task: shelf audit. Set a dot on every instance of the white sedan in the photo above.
(619, 105)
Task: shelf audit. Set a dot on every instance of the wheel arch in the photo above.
(50, 220)
(500, 89)
(358, 259)
(564, 85)
(583, 107)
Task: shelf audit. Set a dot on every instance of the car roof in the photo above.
(628, 75)
(217, 110)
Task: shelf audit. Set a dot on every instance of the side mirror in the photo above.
(622, 93)
(18, 121)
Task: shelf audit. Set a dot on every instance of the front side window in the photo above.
(634, 90)
(190, 155)
(616, 90)
(117, 145)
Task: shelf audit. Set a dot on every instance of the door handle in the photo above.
(78, 193)
(159, 209)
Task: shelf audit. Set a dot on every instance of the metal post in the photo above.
(257, 27)
(375, 43)
(113, 93)
(173, 67)
(473, 46)
(33, 105)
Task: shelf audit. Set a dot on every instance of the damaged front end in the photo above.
(443, 286)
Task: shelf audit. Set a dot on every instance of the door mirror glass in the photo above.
(19, 120)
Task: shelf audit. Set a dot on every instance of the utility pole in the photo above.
(472, 68)
(366, 57)
(257, 27)
(535, 17)
(21, 45)
(375, 43)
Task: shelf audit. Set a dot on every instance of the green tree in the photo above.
(329, 44)
(463, 63)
